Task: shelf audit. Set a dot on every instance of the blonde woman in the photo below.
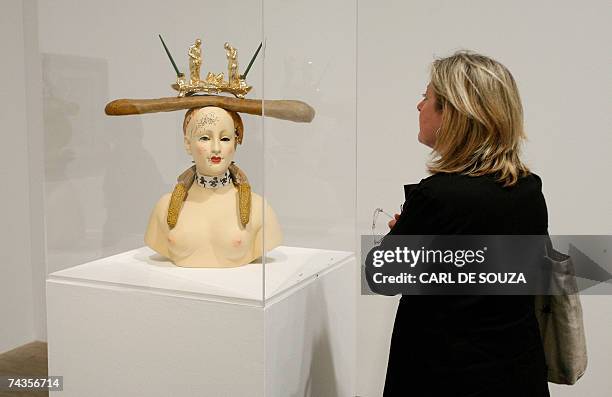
(471, 116)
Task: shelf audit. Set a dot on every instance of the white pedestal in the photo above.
(136, 325)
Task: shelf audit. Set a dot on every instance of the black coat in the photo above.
(477, 346)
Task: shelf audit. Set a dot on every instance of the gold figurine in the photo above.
(195, 61)
(214, 83)
(232, 64)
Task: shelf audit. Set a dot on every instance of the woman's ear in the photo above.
(187, 143)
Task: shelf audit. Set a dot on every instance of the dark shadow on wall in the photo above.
(100, 182)
(132, 186)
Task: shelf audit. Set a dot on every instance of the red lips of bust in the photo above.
(215, 159)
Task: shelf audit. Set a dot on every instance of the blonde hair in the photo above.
(482, 118)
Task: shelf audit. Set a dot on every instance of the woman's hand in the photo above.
(393, 221)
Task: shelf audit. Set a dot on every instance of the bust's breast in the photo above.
(208, 234)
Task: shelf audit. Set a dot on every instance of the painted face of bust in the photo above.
(430, 118)
(210, 140)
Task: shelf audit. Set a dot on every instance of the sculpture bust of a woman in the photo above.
(212, 219)
(221, 222)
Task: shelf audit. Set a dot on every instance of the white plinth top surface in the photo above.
(286, 268)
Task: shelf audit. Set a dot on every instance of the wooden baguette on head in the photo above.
(291, 110)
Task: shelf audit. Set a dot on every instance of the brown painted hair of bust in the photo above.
(238, 126)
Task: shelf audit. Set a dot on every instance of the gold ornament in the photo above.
(179, 194)
(214, 83)
(244, 193)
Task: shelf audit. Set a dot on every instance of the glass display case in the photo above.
(105, 174)
(106, 178)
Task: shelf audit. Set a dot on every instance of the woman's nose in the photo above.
(216, 147)
(419, 105)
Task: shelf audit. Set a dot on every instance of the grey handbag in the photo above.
(559, 317)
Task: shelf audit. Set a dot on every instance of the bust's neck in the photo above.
(202, 193)
(213, 181)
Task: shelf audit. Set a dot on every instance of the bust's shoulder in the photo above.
(259, 201)
(256, 198)
(161, 207)
(257, 204)
(164, 201)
